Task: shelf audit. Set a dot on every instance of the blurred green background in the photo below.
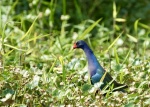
(38, 66)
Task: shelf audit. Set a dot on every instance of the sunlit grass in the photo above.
(39, 67)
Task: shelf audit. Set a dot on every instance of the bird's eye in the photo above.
(77, 43)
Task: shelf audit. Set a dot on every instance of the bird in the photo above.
(96, 71)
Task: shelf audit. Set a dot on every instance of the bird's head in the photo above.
(79, 44)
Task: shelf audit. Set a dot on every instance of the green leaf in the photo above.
(126, 56)
(114, 10)
(144, 26)
(14, 47)
(55, 93)
(86, 87)
(30, 29)
(89, 29)
(113, 43)
(136, 25)
(35, 38)
(120, 20)
(132, 38)
(116, 56)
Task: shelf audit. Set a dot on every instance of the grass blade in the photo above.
(14, 47)
(132, 38)
(113, 43)
(30, 29)
(36, 37)
(136, 25)
(89, 29)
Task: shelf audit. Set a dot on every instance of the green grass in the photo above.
(38, 66)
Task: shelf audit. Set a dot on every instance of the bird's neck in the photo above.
(89, 53)
(93, 63)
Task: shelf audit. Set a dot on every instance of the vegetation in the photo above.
(38, 66)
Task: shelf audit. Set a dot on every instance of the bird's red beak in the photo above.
(74, 46)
